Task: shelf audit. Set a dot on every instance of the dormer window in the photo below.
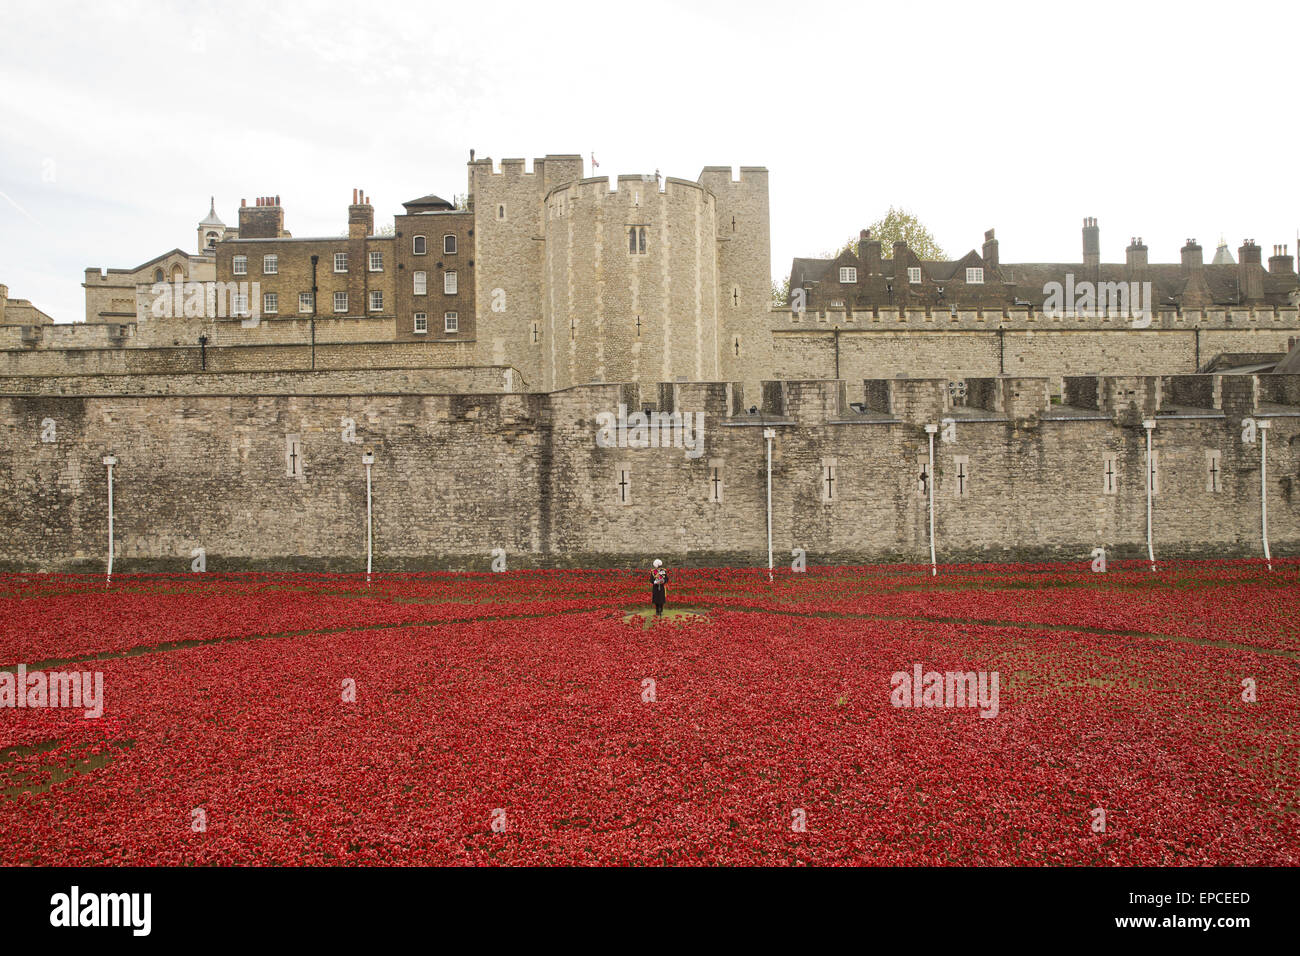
(974, 276)
(848, 274)
(914, 275)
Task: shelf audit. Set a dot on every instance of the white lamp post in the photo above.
(110, 461)
(368, 459)
(931, 430)
(1262, 425)
(1149, 424)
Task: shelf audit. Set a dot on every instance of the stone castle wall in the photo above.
(858, 346)
(456, 476)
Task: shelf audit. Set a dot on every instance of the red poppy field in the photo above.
(542, 718)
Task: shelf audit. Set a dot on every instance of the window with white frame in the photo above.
(239, 265)
(449, 283)
(340, 301)
(376, 301)
(270, 265)
(420, 282)
(975, 276)
(914, 275)
(848, 274)
(340, 262)
(270, 303)
(421, 325)
(376, 262)
(418, 246)
(451, 322)
(239, 303)
(449, 245)
(304, 302)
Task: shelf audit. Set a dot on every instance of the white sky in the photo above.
(1165, 120)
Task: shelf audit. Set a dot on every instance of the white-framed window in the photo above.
(304, 302)
(340, 262)
(636, 236)
(421, 325)
(420, 280)
(451, 322)
(270, 303)
(270, 265)
(340, 301)
(975, 276)
(376, 301)
(418, 245)
(376, 262)
(239, 265)
(239, 303)
(449, 283)
(449, 245)
(914, 275)
(848, 274)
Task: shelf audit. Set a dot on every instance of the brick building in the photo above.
(862, 279)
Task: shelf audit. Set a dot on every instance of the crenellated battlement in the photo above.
(1024, 318)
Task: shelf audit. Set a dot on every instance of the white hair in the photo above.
(658, 563)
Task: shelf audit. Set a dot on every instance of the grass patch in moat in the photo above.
(679, 614)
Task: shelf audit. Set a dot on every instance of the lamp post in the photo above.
(1262, 425)
(769, 434)
(314, 261)
(368, 459)
(110, 461)
(1149, 424)
(930, 430)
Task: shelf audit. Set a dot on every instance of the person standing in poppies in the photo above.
(659, 587)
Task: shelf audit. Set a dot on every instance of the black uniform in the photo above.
(659, 589)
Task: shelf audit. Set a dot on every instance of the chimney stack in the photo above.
(1193, 258)
(262, 220)
(1091, 243)
(1250, 272)
(869, 252)
(1136, 255)
(1280, 262)
(900, 254)
(361, 216)
(990, 250)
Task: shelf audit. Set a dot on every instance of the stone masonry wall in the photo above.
(456, 476)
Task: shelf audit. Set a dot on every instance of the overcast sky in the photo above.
(1167, 120)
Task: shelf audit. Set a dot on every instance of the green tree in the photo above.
(781, 293)
(899, 224)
